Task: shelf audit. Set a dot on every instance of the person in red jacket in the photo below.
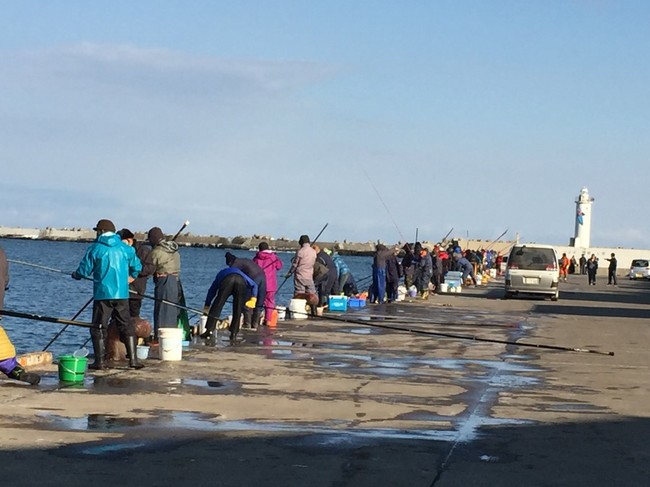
(270, 264)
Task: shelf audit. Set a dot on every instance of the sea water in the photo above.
(55, 294)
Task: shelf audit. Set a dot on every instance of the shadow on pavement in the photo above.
(594, 453)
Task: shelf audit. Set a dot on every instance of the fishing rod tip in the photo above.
(187, 222)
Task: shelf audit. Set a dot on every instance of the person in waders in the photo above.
(270, 264)
(256, 273)
(112, 266)
(8, 363)
(230, 281)
(166, 278)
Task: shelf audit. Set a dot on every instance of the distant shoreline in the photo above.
(235, 243)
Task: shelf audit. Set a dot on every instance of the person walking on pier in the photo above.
(583, 264)
(112, 266)
(611, 270)
(564, 267)
(592, 268)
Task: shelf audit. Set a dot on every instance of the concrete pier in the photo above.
(334, 403)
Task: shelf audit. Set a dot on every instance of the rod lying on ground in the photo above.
(50, 319)
(459, 337)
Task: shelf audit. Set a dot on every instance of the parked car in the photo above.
(639, 269)
(532, 269)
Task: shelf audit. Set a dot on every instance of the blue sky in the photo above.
(276, 117)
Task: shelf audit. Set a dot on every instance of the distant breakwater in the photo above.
(237, 243)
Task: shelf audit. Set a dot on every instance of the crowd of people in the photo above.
(120, 267)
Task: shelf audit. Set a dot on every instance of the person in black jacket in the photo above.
(327, 283)
(139, 285)
(393, 275)
(256, 273)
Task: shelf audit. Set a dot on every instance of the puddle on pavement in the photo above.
(576, 407)
(119, 385)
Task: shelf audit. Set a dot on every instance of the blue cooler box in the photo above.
(338, 303)
(356, 303)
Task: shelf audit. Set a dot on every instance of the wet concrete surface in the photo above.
(342, 401)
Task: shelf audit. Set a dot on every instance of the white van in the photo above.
(532, 269)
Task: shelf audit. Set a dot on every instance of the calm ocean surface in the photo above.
(56, 294)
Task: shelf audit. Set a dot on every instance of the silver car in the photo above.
(639, 269)
(532, 269)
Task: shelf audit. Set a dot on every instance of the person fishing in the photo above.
(270, 264)
(256, 273)
(112, 266)
(228, 282)
(302, 268)
(8, 363)
(167, 263)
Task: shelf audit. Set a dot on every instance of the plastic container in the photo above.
(282, 312)
(298, 309)
(142, 352)
(338, 303)
(171, 343)
(444, 287)
(72, 369)
(356, 303)
(202, 323)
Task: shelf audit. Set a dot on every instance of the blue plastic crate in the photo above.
(356, 302)
(338, 303)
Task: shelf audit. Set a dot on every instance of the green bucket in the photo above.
(72, 369)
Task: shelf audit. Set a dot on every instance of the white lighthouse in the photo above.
(582, 236)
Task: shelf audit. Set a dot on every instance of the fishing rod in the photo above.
(444, 239)
(496, 240)
(458, 336)
(66, 326)
(186, 308)
(187, 222)
(50, 319)
(385, 207)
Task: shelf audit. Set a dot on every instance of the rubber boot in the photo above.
(130, 344)
(22, 375)
(99, 348)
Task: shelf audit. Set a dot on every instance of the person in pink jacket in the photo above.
(270, 264)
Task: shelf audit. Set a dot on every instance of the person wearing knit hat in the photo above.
(110, 290)
(167, 268)
(302, 268)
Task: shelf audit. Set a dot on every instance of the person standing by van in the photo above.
(564, 267)
(611, 270)
(592, 268)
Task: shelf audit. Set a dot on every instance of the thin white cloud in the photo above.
(104, 67)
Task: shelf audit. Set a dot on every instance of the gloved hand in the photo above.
(76, 276)
(251, 302)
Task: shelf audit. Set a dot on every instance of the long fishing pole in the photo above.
(50, 319)
(444, 239)
(385, 207)
(66, 326)
(192, 310)
(461, 337)
(187, 222)
(496, 240)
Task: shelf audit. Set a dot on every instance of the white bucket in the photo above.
(459, 289)
(171, 343)
(444, 287)
(202, 324)
(142, 352)
(282, 312)
(298, 308)
(493, 273)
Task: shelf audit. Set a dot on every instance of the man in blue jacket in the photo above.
(112, 266)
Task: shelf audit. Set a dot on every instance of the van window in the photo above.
(532, 258)
(639, 263)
